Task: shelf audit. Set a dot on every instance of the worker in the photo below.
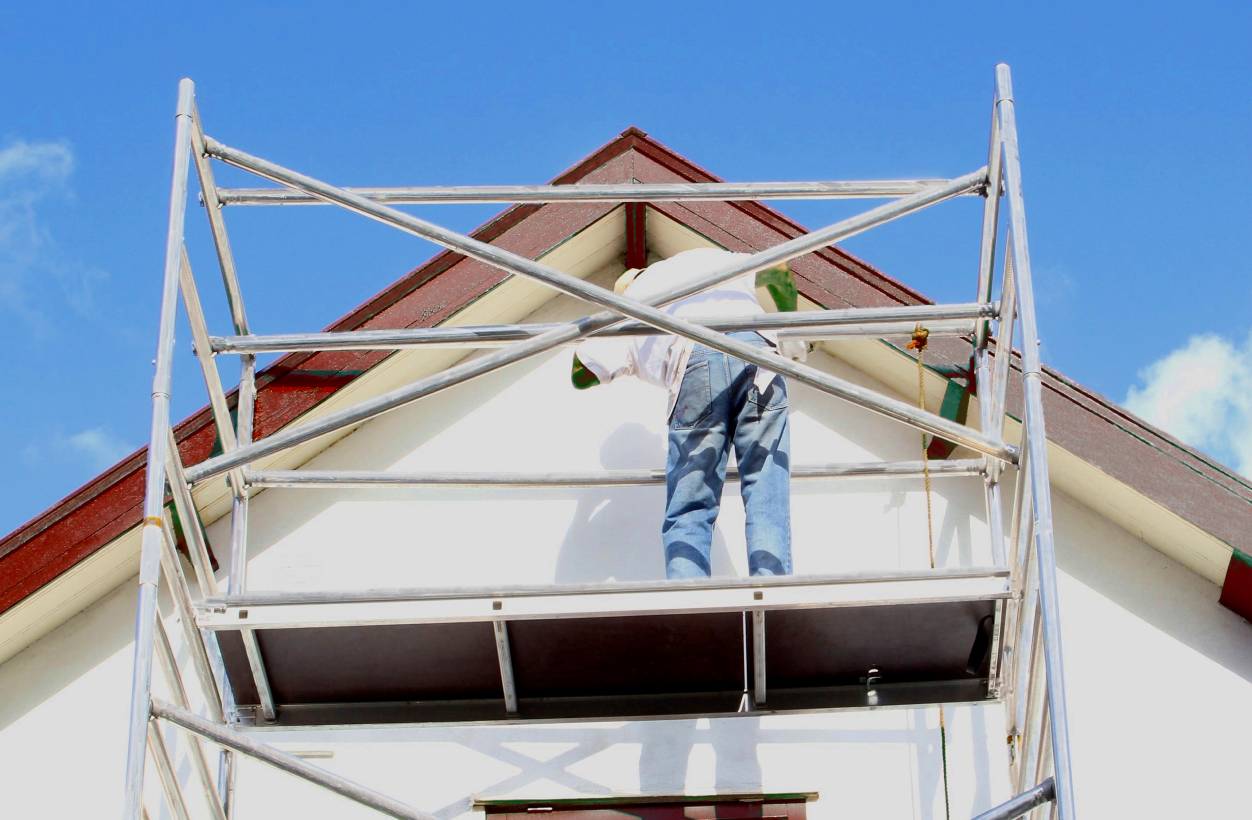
(716, 401)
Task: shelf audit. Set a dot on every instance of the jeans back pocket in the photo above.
(774, 397)
(695, 397)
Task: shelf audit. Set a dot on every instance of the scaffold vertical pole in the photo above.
(988, 419)
(154, 488)
(1037, 449)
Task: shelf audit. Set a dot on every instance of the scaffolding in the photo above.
(224, 632)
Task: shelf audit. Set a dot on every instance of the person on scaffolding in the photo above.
(715, 401)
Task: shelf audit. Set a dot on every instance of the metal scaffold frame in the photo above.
(1026, 661)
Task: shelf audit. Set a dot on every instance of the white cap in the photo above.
(623, 281)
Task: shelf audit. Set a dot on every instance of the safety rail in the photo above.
(1026, 669)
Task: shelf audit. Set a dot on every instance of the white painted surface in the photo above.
(1158, 671)
(529, 418)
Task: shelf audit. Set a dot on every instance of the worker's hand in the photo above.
(795, 349)
(581, 376)
(781, 286)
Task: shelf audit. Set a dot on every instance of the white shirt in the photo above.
(661, 359)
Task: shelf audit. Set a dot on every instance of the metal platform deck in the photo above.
(615, 650)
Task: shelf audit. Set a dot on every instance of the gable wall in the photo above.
(529, 418)
(1154, 664)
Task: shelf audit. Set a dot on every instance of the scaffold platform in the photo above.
(615, 650)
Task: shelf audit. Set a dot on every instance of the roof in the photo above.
(1191, 490)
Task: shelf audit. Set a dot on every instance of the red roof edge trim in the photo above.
(1237, 589)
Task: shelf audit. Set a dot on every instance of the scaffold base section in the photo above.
(588, 666)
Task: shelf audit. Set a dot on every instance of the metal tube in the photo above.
(177, 583)
(1044, 764)
(1036, 441)
(165, 771)
(239, 541)
(893, 408)
(1024, 582)
(880, 331)
(986, 421)
(1020, 576)
(582, 192)
(217, 225)
(759, 690)
(1036, 750)
(898, 320)
(995, 520)
(166, 653)
(1014, 606)
(226, 782)
(203, 350)
(239, 319)
(326, 479)
(1004, 340)
(261, 599)
(154, 488)
(1026, 637)
(505, 658)
(995, 513)
(238, 576)
(204, 353)
(1018, 522)
(1028, 705)
(1022, 803)
(422, 608)
(240, 742)
(185, 505)
(986, 264)
(990, 221)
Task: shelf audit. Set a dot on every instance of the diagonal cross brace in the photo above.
(238, 741)
(618, 306)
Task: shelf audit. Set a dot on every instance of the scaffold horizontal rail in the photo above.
(900, 321)
(330, 479)
(611, 193)
(382, 607)
(621, 306)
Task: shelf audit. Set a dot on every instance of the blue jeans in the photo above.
(718, 405)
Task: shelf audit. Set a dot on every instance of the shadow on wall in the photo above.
(696, 756)
(664, 757)
(615, 532)
(604, 533)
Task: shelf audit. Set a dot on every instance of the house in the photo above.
(1153, 542)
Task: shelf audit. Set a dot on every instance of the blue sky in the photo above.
(1136, 126)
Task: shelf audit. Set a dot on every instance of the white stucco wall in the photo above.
(1157, 670)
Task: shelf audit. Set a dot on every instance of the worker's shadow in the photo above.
(615, 532)
(665, 756)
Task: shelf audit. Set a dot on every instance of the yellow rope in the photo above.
(918, 343)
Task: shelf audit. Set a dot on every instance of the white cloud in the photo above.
(97, 445)
(33, 175)
(94, 448)
(1202, 394)
(49, 161)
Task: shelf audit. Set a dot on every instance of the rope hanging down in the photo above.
(921, 337)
